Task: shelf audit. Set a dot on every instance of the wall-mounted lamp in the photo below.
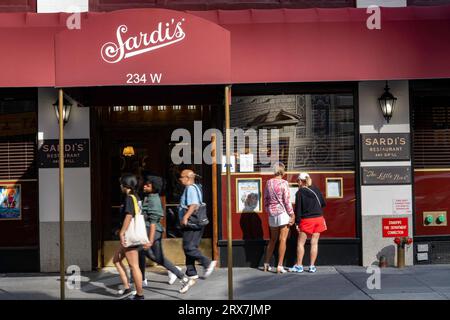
(67, 106)
(387, 103)
(128, 151)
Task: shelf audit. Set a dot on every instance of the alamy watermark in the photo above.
(73, 281)
(374, 280)
(373, 22)
(263, 143)
(73, 22)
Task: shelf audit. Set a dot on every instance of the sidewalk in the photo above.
(331, 283)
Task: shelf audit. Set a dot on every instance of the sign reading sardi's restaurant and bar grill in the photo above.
(385, 146)
(76, 153)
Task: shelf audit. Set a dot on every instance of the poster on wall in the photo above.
(401, 206)
(246, 163)
(248, 195)
(334, 188)
(232, 164)
(293, 188)
(10, 202)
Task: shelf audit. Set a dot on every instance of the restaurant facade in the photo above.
(309, 83)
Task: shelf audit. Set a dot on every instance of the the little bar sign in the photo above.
(395, 227)
(76, 153)
(386, 175)
(385, 146)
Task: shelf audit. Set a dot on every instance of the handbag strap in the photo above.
(184, 197)
(317, 197)
(137, 210)
(200, 196)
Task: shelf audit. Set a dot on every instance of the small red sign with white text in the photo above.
(395, 227)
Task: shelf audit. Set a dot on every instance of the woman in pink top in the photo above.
(281, 215)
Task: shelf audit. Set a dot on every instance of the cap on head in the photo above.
(303, 176)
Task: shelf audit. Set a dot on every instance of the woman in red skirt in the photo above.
(309, 220)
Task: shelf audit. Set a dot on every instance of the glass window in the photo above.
(315, 131)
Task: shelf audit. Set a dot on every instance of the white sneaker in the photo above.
(193, 277)
(122, 290)
(124, 293)
(144, 283)
(172, 276)
(186, 284)
(210, 269)
(280, 269)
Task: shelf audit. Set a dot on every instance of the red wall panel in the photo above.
(431, 191)
(340, 214)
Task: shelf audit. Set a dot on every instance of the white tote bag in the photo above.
(136, 233)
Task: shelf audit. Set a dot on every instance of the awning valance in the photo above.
(165, 47)
(303, 45)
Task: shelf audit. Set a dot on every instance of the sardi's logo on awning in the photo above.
(165, 35)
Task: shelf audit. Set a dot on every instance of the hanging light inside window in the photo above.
(132, 108)
(161, 108)
(387, 103)
(176, 108)
(117, 109)
(128, 151)
(147, 108)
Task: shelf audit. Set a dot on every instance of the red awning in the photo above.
(27, 57)
(143, 47)
(302, 45)
(220, 46)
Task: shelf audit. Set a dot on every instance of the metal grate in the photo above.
(440, 252)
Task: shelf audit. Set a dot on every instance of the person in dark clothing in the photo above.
(128, 185)
(153, 213)
(309, 220)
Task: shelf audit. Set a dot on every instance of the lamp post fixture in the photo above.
(67, 106)
(387, 103)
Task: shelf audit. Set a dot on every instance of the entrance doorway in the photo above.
(137, 140)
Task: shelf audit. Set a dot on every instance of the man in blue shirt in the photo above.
(190, 201)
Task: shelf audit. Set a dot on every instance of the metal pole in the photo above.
(61, 195)
(229, 221)
(215, 199)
